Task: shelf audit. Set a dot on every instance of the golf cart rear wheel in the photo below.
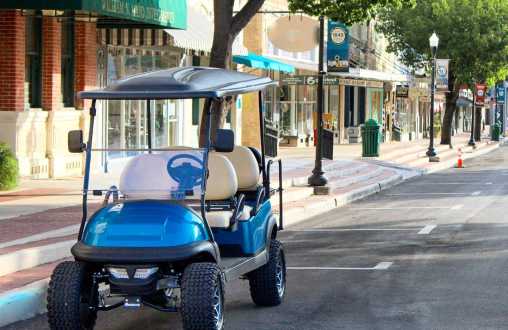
(268, 283)
(69, 298)
(202, 296)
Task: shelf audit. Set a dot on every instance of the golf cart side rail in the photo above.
(279, 190)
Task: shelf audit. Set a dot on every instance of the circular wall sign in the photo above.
(294, 33)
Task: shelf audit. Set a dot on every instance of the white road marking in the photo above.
(488, 183)
(400, 208)
(457, 207)
(450, 183)
(347, 229)
(426, 230)
(429, 193)
(476, 193)
(383, 265)
(380, 266)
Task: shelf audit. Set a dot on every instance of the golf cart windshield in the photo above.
(174, 174)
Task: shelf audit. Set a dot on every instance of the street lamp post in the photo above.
(434, 43)
(317, 178)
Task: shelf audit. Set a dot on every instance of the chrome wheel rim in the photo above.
(218, 306)
(280, 277)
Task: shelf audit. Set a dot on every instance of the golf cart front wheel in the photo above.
(69, 298)
(268, 283)
(202, 296)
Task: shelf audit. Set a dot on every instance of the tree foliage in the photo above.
(346, 11)
(473, 35)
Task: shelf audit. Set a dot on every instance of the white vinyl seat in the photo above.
(246, 167)
(247, 174)
(222, 184)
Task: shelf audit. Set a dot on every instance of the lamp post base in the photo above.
(471, 143)
(317, 179)
(431, 152)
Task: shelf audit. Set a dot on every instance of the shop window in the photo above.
(68, 61)
(33, 63)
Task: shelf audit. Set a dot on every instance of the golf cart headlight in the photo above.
(118, 272)
(142, 273)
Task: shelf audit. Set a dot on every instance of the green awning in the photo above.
(260, 62)
(164, 13)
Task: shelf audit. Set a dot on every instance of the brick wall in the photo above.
(85, 59)
(51, 63)
(12, 60)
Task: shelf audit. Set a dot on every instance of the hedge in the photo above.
(8, 168)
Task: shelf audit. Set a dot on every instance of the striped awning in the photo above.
(199, 34)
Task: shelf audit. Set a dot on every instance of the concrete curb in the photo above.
(34, 256)
(23, 303)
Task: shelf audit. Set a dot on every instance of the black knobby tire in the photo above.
(68, 298)
(268, 283)
(202, 296)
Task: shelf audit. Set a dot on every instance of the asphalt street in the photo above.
(431, 253)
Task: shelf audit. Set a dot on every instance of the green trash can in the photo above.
(496, 132)
(370, 139)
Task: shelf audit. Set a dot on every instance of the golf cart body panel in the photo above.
(251, 235)
(145, 223)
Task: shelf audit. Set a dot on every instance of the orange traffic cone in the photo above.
(459, 161)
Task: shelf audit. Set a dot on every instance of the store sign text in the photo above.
(330, 80)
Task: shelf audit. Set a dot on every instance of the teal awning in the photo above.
(260, 62)
(167, 13)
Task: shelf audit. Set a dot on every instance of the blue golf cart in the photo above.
(181, 222)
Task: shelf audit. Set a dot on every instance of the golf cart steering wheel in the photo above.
(187, 175)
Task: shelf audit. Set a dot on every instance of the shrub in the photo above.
(8, 168)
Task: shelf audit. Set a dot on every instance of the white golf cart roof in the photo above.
(181, 83)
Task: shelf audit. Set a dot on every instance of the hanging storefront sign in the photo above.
(442, 74)
(329, 80)
(500, 93)
(480, 90)
(402, 91)
(294, 33)
(337, 47)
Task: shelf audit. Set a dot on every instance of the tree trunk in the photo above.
(451, 105)
(226, 28)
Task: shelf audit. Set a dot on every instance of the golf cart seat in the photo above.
(246, 168)
(222, 185)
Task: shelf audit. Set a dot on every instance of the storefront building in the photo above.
(50, 51)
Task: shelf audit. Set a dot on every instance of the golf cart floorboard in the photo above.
(236, 267)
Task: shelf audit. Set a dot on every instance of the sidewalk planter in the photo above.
(370, 139)
(496, 132)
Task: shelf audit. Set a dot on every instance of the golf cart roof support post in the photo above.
(86, 180)
(208, 108)
(266, 182)
(149, 124)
